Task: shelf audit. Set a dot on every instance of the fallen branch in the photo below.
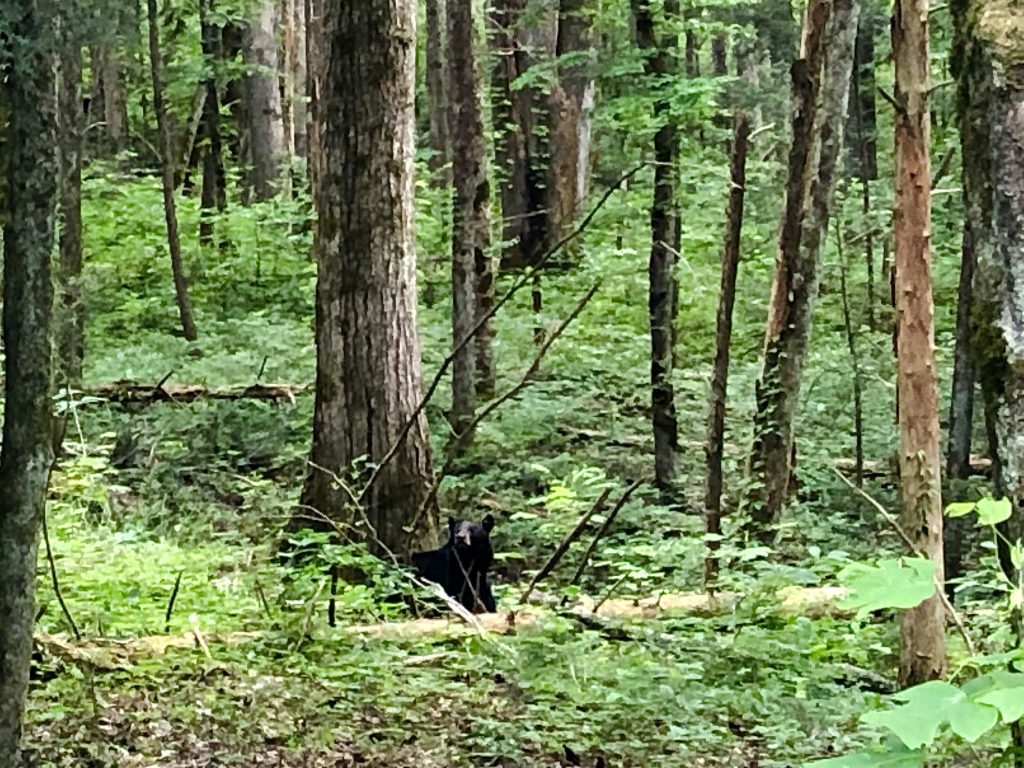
(884, 470)
(125, 392)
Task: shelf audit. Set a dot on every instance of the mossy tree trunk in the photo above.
(27, 452)
(821, 90)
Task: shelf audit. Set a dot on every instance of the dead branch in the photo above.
(129, 392)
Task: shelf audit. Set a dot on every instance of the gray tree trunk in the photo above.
(109, 103)
(437, 90)
(821, 79)
(368, 351)
(263, 96)
(27, 452)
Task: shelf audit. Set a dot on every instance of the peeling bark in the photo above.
(923, 628)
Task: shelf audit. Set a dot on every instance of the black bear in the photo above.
(461, 565)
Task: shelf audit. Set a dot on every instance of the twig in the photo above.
(170, 603)
(574, 534)
(160, 384)
(940, 588)
(56, 583)
(197, 633)
(525, 278)
(610, 592)
(493, 405)
(308, 618)
(605, 527)
(900, 109)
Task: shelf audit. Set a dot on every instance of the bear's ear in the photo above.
(488, 523)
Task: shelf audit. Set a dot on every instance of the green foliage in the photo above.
(891, 583)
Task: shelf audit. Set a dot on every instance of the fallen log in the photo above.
(130, 392)
(105, 654)
(980, 466)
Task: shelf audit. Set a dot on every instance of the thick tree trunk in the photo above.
(368, 353)
(109, 102)
(71, 327)
(518, 148)
(263, 101)
(188, 325)
(214, 197)
(922, 629)
(658, 48)
(469, 212)
(820, 92)
(987, 62)
(723, 343)
(437, 91)
(27, 452)
(570, 102)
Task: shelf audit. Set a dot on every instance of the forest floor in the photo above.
(150, 495)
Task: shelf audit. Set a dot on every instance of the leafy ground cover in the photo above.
(199, 491)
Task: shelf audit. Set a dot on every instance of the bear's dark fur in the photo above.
(461, 565)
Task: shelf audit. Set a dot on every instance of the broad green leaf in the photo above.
(993, 512)
(893, 583)
(1009, 702)
(970, 721)
(960, 509)
(917, 722)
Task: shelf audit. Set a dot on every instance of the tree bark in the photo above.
(27, 453)
(723, 343)
(570, 102)
(368, 352)
(988, 65)
(660, 61)
(214, 197)
(518, 150)
(437, 91)
(469, 212)
(109, 102)
(820, 92)
(719, 56)
(922, 629)
(263, 101)
(862, 126)
(188, 325)
(314, 83)
(71, 119)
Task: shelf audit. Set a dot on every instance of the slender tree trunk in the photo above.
(27, 452)
(314, 84)
(570, 102)
(517, 130)
(263, 101)
(851, 343)
(922, 629)
(71, 327)
(368, 353)
(109, 102)
(437, 91)
(188, 325)
(719, 56)
(657, 47)
(469, 212)
(961, 413)
(820, 92)
(862, 126)
(214, 197)
(299, 77)
(692, 56)
(723, 343)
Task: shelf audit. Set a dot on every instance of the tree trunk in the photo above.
(961, 412)
(570, 102)
(518, 149)
(987, 63)
(820, 92)
(368, 352)
(723, 342)
(660, 62)
(719, 56)
(109, 102)
(27, 452)
(188, 325)
(437, 91)
(314, 82)
(214, 197)
(469, 212)
(862, 125)
(71, 326)
(263, 101)
(922, 629)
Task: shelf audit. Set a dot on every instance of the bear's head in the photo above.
(467, 535)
